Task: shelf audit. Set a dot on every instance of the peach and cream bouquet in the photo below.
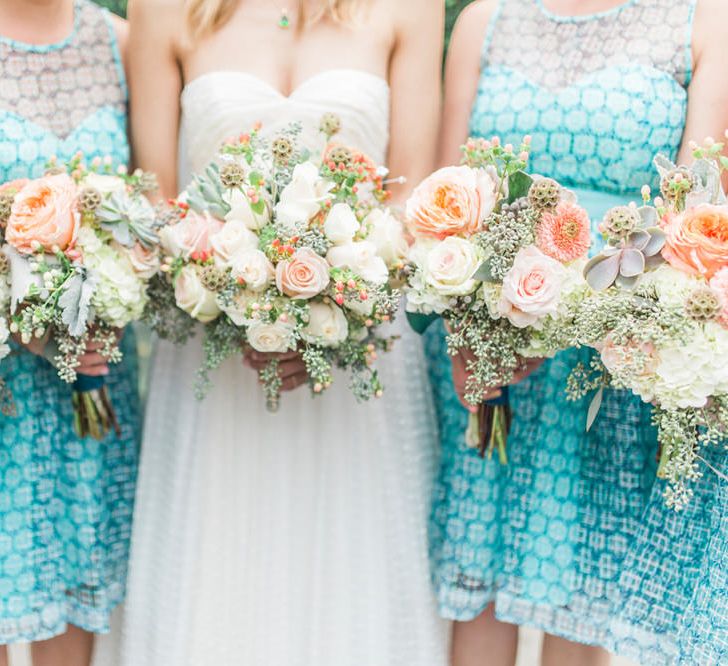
(275, 249)
(79, 248)
(499, 254)
(658, 314)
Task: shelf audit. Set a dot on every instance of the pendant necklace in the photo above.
(284, 20)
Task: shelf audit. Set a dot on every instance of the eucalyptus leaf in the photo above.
(519, 184)
(421, 322)
(75, 302)
(594, 407)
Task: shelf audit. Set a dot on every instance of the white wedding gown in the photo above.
(289, 539)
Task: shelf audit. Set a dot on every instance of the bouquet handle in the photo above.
(94, 415)
(488, 428)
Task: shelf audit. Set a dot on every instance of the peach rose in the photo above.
(193, 234)
(14, 186)
(144, 261)
(697, 240)
(454, 201)
(304, 275)
(532, 288)
(44, 215)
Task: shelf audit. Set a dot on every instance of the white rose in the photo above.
(104, 184)
(193, 298)
(449, 266)
(387, 233)
(192, 234)
(532, 288)
(241, 211)
(238, 309)
(271, 338)
(341, 224)
(234, 237)
(88, 241)
(301, 199)
(253, 267)
(327, 325)
(361, 257)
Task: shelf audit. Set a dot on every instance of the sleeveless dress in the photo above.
(65, 503)
(286, 539)
(572, 536)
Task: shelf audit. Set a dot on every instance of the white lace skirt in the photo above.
(289, 539)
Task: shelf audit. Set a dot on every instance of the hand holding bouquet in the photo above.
(277, 250)
(499, 254)
(659, 313)
(79, 248)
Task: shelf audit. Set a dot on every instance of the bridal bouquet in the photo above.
(659, 313)
(79, 247)
(275, 249)
(499, 255)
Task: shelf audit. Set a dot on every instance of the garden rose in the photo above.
(454, 201)
(697, 240)
(341, 224)
(254, 268)
(145, 262)
(532, 288)
(104, 183)
(273, 338)
(233, 237)
(362, 258)
(14, 186)
(449, 266)
(240, 211)
(190, 235)
(327, 325)
(193, 298)
(44, 212)
(303, 276)
(301, 199)
(387, 233)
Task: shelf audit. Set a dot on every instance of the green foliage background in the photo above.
(453, 8)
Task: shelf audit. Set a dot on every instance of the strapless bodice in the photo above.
(218, 105)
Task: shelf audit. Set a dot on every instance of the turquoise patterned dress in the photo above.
(65, 503)
(572, 536)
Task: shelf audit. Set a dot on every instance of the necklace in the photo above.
(284, 18)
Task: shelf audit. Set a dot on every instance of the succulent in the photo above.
(623, 261)
(206, 193)
(545, 194)
(128, 219)
(703, 305)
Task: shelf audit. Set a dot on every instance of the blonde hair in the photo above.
(204, 17)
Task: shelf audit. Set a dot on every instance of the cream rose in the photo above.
(193, 298)
(449, 266)
(104, 183)
(240, 211)
(303, 276)
(362, 258)
(341, 224)
(44, 215)
(326, 326)
(301, 199)
(233, 238)
(253, 267)
(273, 338)
(532, 288)
(145, 262)
(190, 235)
(387, 233)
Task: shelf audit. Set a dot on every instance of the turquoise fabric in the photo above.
(573, 536)
(65, 503)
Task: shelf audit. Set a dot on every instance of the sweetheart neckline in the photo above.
(302, 85)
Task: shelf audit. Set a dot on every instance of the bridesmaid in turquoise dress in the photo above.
(572, 536)
(65, 503)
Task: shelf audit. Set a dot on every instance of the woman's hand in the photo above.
(92, 363)
(291, 368)
(460, 376)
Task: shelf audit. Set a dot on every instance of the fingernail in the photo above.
(473, 410)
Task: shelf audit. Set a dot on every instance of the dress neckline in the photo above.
(46, 48)
(579, 18)
(302, 85)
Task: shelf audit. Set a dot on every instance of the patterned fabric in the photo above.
(572, 536)
(65, 503)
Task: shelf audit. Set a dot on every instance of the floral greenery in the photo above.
(452, 8)
(116, 6)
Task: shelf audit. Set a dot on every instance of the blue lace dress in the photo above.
(65, 503)
(572, 536)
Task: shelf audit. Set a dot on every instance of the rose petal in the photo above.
(601, 272)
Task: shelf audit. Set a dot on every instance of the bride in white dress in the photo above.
(294, 539)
